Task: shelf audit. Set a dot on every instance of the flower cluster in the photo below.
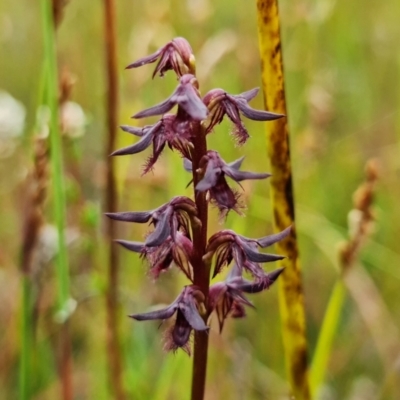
(178, 224)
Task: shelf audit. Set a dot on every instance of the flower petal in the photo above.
(236, 164)
(257, 257)
(260, 284)
(158, 109)
(160, 258)
(257, 115)
(271, 239)
(162, 231)
(189, 310)
(187, 97)
(136, 247)
(139, 216)
(139, 146)
(134, 130)
(187, 165)
(223, 307)
(239, 297)
(181, 332)
(164, 313)
(224, 197)
(223, 258)
(146, 60)
(237, 310)
(210, 178)
(235, 273)
(239, 176)
(181, 257)
(249, 94)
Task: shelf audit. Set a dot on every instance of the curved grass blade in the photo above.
(326, 337)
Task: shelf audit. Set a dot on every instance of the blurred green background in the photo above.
(342, 67)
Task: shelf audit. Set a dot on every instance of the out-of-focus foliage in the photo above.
(342, 81)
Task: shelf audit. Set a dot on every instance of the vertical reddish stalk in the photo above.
(48, 7)
(36, 192)
(66, 362)
(201, 270)
(113, 342)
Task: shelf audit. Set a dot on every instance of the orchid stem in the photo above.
(201, 270)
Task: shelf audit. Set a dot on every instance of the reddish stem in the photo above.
(66, 362)
(113, 341)
(201, 271)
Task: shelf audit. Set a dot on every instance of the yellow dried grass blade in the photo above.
(290, 287)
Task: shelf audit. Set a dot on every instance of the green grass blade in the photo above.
(57, 177)
(326, 337)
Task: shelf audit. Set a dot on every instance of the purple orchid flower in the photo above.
(167, 219)
(227, 298)
(215, 169)
(186, 96)
(172, 130)
(170, 240)
(160, 258)
(226, 245)
(176, 55)
(220, 103)
(186, 306)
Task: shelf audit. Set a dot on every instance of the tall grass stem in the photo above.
(58, 193)
(57, 175)
(291, 296)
